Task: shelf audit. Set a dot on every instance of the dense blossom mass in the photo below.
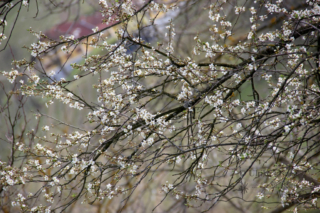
(193, 118)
